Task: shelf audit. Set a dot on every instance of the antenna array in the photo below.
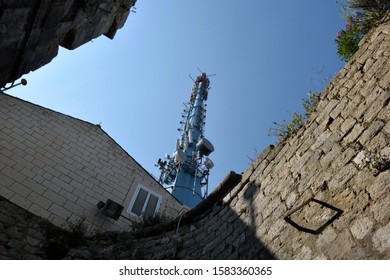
(187, 171)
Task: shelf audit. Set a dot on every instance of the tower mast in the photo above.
(187, 171)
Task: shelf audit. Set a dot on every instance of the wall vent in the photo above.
(110, 209)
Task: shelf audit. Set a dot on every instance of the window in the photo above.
(144, 203)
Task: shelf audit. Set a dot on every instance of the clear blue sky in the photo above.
(267, 55)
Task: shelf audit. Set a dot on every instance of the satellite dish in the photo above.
(209, 163)
(180, 156)
(205, 147)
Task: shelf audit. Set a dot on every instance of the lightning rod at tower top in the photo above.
(187, 171)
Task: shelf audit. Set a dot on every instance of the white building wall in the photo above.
(59, 167)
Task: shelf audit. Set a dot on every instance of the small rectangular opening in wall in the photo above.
(313, 216)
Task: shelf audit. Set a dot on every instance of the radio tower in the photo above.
(187, 171)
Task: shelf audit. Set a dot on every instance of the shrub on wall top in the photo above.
(348, 41)
(361, 16)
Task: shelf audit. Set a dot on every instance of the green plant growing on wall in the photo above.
(286, 129)
(361, 16)
(243, 210)
(122, 246)
(310, 103)
(348, 42)
(60, 241)
(365, 14)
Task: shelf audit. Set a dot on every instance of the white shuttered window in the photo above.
(144, 203)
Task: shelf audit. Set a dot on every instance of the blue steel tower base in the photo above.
(187, 171)
(189, 196)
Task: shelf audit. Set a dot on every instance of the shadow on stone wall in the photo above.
(22, 234)
(213, 230)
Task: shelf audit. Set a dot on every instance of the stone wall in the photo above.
(322, 194)
(59, 167)
(26, 236)
(31, 31)
(22, 234)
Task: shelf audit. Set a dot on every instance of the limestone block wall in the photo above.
(341, 157)
(322, 194)
(32, 30)
(59, 167)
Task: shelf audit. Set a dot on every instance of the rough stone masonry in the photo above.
(31, 31)
(322, 194)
